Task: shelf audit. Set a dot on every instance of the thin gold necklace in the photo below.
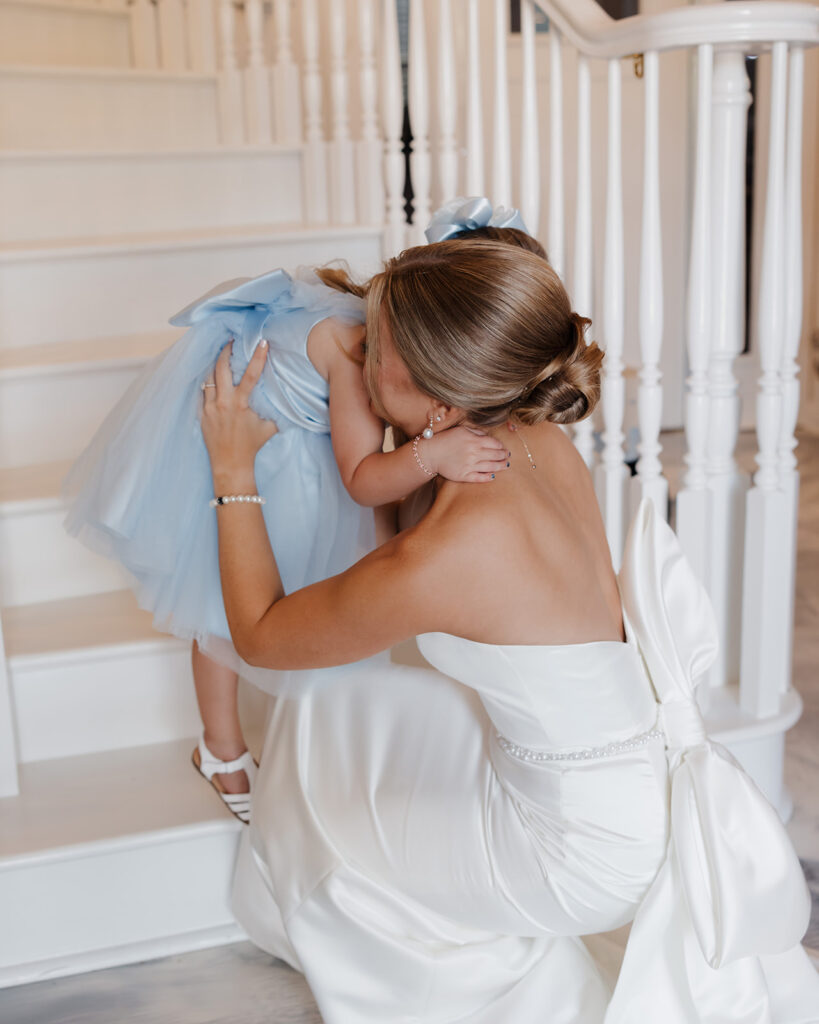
(526, 446)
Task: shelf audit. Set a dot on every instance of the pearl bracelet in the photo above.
(226, 499)
(415, 441)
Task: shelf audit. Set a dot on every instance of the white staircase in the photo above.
(118, 205)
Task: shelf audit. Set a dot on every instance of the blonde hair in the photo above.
(486, 327)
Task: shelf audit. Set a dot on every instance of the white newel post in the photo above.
(501, 134)
(557, 199)
(144, 42)
(611, 472)
(766, 583)
(650, 482)
(316, 209)
(9, 783)
(231, 106)
(284, 81)
(529, 141)
(172, 43)
(473, 171)
(342, 156)
(692, 516)
(447, 106)
(200, 25)
(788, 471)
(392, 115)
(258, 130)
(369, 147)
(420, 161)
(582, 277)
(726, 484)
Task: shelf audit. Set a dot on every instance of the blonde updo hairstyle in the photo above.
(485, 327)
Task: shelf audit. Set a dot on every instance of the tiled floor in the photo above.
(238, 984)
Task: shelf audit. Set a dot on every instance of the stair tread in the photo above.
(179, 238)
(39, 482)
(108, 796)
(84, 353)
(78, 623)
(158, 153)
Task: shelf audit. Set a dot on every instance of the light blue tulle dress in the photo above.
(139, 492)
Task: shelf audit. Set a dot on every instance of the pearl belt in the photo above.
(609, 750)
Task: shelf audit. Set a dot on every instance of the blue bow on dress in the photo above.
(468, 214)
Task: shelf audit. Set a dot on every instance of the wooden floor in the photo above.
(238, 984)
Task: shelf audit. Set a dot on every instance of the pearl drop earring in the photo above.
(428, 432)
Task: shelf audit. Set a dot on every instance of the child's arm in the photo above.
(374, 477)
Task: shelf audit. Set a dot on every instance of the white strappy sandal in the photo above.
(209, 765)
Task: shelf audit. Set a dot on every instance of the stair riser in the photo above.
(64, 297)
(66, 196)
(48, 109)
(116, 902)
(59, 34)
(82, 703)
(41, 562)
(126, 695)
(52, 416)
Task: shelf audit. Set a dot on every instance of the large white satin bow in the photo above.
(743, 884)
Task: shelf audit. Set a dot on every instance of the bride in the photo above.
(432, 844)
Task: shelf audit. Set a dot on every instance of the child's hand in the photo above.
(465, 454)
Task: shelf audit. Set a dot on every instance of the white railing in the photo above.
(738, 533)
(482, 109)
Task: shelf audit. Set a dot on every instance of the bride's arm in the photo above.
(389, 596)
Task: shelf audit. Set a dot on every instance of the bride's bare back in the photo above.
(524, 560)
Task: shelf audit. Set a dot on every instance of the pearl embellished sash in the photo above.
(529, 754)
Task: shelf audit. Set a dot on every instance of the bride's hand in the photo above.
(232, 431)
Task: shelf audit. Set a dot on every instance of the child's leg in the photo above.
(217, 696)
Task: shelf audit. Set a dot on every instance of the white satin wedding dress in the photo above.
(431, 845)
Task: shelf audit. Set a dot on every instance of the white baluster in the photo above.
(529, 143)
(368, 150)
(474, 173)
(610, 476)
(788, 472)
(200, 25)
(342, 155)
(316, 209)
(502, 138)
(692, 522)
(172, 44)
(582, 284)
(556, 195)
(765, 585)
(726, 484)
(420, 162)
(649, 482)
(447, 106)
(284, 81)
(144, 42)
(392, 115)
(258, 129)
(231, 117)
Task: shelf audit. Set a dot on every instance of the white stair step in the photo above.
(91, 674)
(83, 288)
(50, 32)
(110, 859)
(72, 194)
(41, 562)
(48, 108)
(54, 396)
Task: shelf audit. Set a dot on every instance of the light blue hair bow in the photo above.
(468, 214)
